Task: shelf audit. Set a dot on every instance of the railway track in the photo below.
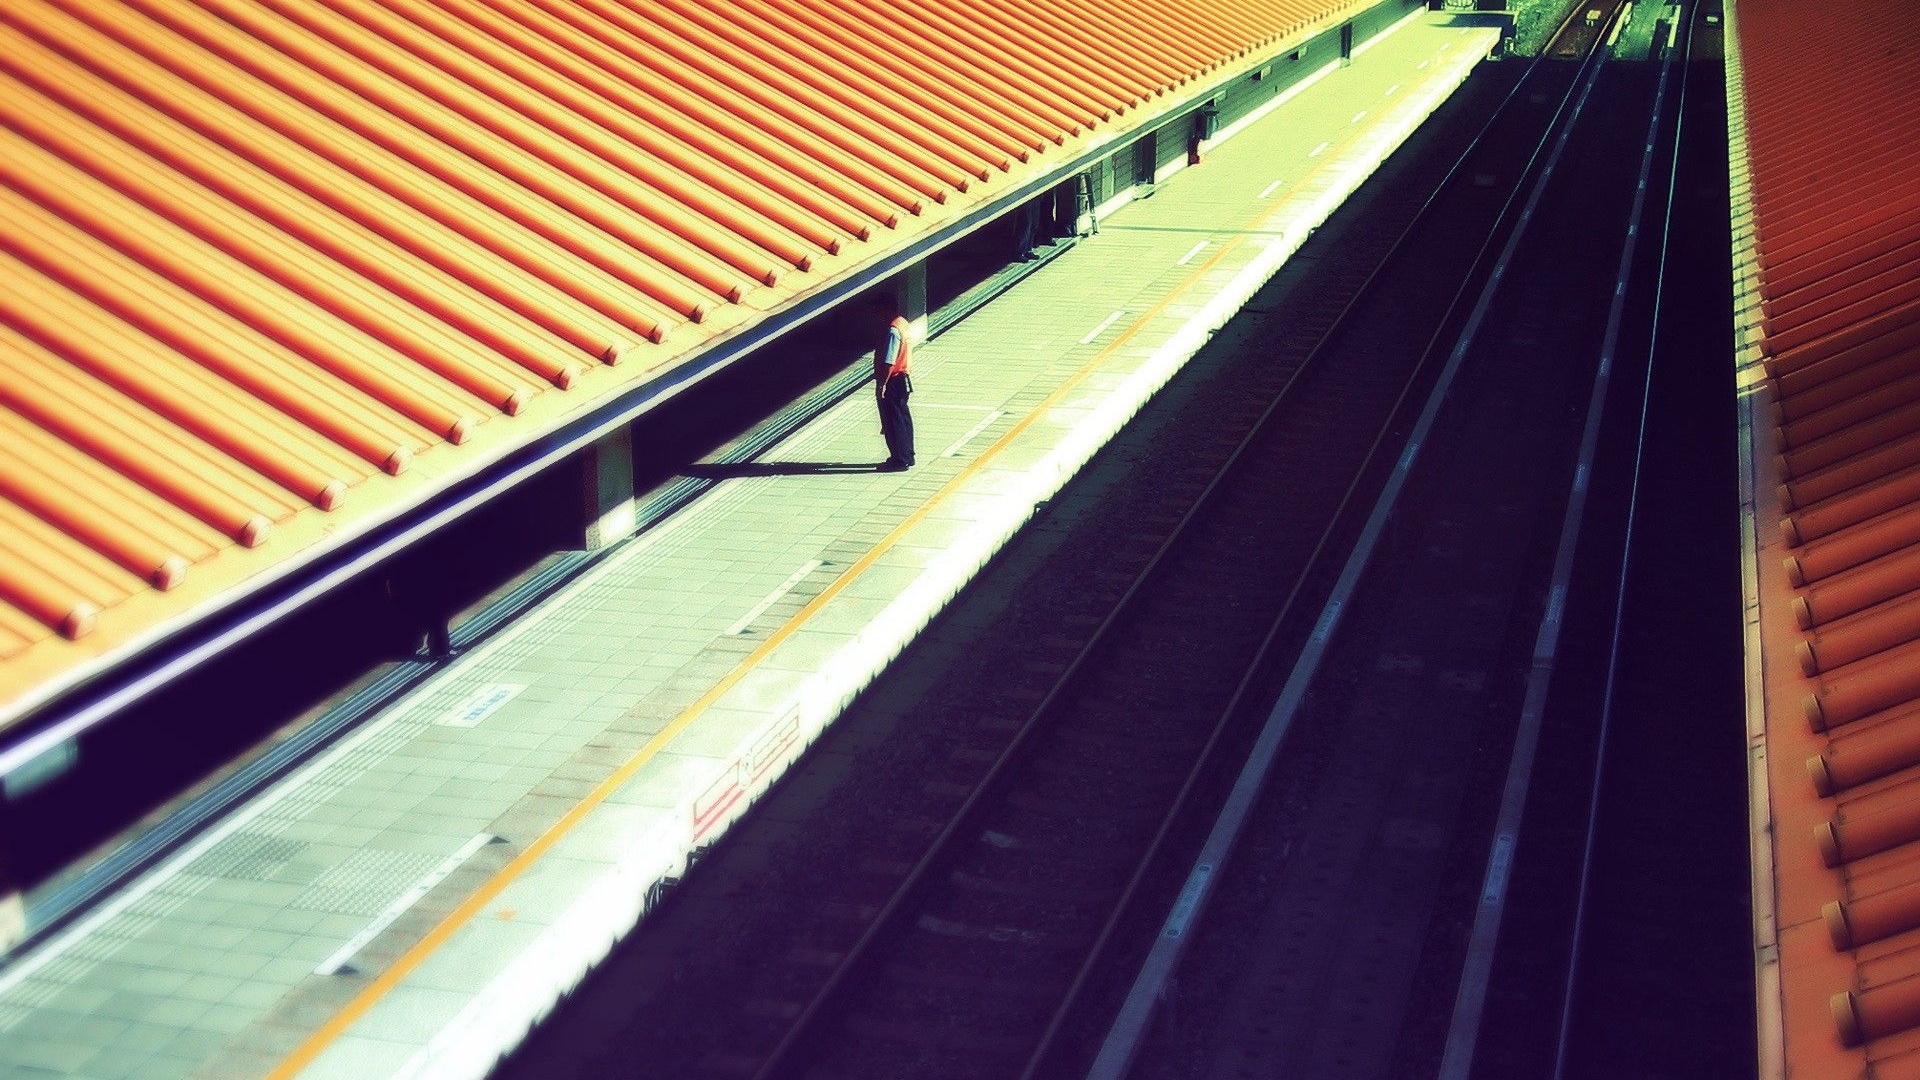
(990, 920)
(1545, 330)
(1655, 628)
(988, 943)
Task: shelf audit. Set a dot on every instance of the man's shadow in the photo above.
(778, 468)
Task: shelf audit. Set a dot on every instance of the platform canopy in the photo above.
(1826, 186)
(273, 272)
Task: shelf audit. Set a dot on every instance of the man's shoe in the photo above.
(891, 465)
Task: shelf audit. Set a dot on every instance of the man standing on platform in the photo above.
(892, 386)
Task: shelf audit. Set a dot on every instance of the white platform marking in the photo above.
(336, 963)
(1104, 323)
(1268, 190)
(972, 432)
(773, 597)
(1192, 251)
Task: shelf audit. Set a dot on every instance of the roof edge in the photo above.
(1755, 439)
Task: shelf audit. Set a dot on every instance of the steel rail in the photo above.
(1192, 899)
(1476, 969)
(796, 1036)
(1116, 1056)
(1617, 630)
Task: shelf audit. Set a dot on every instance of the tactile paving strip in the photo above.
(247, 856)
(365, 882)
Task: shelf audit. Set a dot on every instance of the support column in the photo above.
(910, 292)
(606, 489)
(13, 910)
(419, 622)
(1085, 221)
(1206, 125)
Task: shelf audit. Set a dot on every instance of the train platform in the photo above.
(413, 899)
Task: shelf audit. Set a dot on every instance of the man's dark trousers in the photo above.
(896, 422)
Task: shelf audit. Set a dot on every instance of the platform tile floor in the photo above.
(408, 903)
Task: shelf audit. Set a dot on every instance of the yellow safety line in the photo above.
(384, 983)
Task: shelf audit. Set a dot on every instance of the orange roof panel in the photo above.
(273, 272)
(1835, 205)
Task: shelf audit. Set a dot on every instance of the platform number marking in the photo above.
(483, 703)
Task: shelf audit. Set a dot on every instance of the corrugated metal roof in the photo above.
(267, 262)
(1829, 103)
